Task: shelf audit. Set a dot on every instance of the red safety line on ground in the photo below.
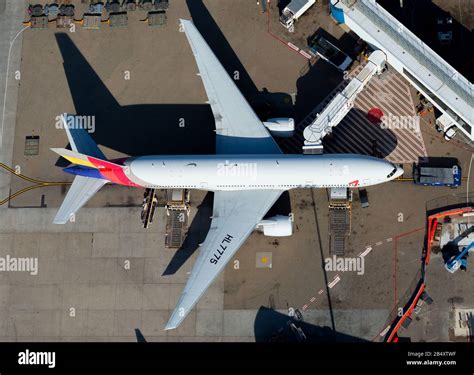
(409, 232)
(432, 224)
(406, 315)
(395, 269)
(288, 44)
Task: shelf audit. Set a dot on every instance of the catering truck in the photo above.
(293, 11)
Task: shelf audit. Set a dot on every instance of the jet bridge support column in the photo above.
(340, 105)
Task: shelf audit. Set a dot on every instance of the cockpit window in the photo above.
(392, 172)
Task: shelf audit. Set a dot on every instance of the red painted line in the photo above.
(406, 315)
(432, 223)
(395, 273)
(275, 36)
(395, 268)
(409, 232)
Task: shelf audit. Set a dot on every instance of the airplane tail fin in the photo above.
(79, 138)
(92, 170)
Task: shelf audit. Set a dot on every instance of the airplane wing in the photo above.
(81, 190)
(238, 129)
(235, 216)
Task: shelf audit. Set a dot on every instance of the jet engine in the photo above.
(280, 127)
(276, 226)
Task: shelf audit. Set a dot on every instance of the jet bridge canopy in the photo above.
(341, 104)
(438, 81)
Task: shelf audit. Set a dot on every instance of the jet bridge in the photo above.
(438, 81)
(340, 105)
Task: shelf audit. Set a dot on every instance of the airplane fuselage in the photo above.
(258, 172)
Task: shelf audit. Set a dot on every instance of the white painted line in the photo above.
(6, 83)
(384, 332)
(389, 239)
(367, 251)
(379, 243)
(334, 282)
(312, 299)
(304, 307)
(305, 54)
(291, 45)
(321, 292)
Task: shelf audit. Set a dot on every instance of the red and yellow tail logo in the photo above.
(110, 171)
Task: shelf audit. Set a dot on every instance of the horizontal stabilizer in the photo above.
(74, 157)
(81, 190)
(85, 160)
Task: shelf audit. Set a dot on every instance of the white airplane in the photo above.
(247, 175)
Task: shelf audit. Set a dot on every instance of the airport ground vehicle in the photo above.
(364, 199)
(446, 125)
(459, 261)
(445, 29)
(294, 10)
(437, 175)
(326, 50)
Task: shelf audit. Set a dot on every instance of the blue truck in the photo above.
(437, 176)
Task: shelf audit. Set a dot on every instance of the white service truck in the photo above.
(293, 11)
(446, 125)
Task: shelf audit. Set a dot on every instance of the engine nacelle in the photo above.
(277, 226)
(280, 127)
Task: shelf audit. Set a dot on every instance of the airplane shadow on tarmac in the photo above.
(147, 129)
(273, 326)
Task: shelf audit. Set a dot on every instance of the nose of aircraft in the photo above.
(399, 172)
